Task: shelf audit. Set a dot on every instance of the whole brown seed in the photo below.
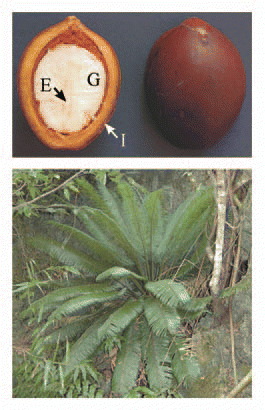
(195, 84)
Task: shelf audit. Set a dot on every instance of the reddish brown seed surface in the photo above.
(195, 84)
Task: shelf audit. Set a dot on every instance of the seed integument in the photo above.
(66, 68)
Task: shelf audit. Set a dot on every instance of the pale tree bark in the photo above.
(241, 386)
(221, 217)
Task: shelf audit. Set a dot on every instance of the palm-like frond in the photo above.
(194, 308)
(121, 318)
(161, 318)
(103, 235)
(140, 218)
(133, 218)
(118, 234)
(85, 345)
(186, 240)
(169, 292)
(54, 299)
(185, 224)
(91, 192)
(113, 205)
(76, 304)
(158, 362)
(145, 335)
(68, 255)
(118, 273)
(185, 367)
(156, 216)
(69, 331)
(127, 361)
(61, 295)
(95, 249)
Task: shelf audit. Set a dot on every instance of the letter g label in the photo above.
(93, 79)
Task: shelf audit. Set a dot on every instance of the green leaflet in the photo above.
(118, 273)
(117, 234)
(95, 249)
(161, 318)
(136, 392)
(156, 219)
(131, 232)
(114, 209)
(181, 244)
(194, 308)
(185, 218)
(121, 318)
(158, 362)
(136, 224)
(102, 235)
(55, 297)
(75, 304)
(69, 331)
(244, 284)
(133, 218)
(145, 335)
(60, 295)
(92, 194)
(85, 346)
(185, 367)
(169, 292)
(127, 361)
(68, 255)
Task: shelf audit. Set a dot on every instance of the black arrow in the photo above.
(59, 94)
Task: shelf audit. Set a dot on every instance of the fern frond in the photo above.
(118, 235)
(121, 318)
(185, 367)
(68, 331)
(145, 332)
(77, 303)
(94, 248)
(244, 284)
(180, 243)
(194, 308)
(158, 363)
(118, 273)
(160, 317)
(112, 204)
(139, 224)
(103, 235)
(58, 296)
(131, 207)
(186, 217)
(85, 346)
(170, 293)
(92, 194)
(68, 255)
(156, 218)
(141, 391)
(127, 361)
(63, 294)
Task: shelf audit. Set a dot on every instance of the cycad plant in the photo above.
(130, 254)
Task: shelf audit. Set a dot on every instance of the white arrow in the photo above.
(110, 130)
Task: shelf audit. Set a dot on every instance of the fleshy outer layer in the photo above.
(69, 31)
(195, 84)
